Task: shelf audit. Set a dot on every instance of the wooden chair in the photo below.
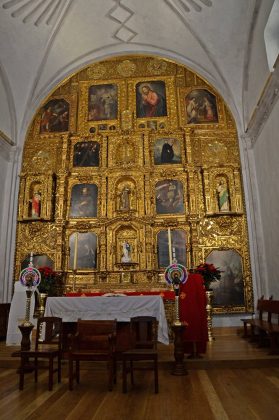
(47, 346)
(94, 341)
(143, 333)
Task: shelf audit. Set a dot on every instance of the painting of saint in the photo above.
(169, 197)
(86, 153)
(39, 260)
(178, 247)
(55, 116)
(151, 99)
(84, 200)
(167, 151)
(102, 102)
(201, 107)
(229, 291)
(83, 251)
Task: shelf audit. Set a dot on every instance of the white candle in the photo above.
(174, 260)
(75, 251)
(31, 259)
(169, 243)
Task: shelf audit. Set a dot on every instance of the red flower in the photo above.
(48, 277)
(209, 273)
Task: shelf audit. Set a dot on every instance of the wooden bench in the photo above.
(247, 321)
(266, 323)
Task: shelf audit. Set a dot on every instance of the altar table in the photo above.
(121, 308)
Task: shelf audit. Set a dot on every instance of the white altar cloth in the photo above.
(122, 308)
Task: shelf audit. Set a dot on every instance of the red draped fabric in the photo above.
(193, 313)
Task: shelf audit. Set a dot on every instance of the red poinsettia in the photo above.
(48, 277)
(209, 273)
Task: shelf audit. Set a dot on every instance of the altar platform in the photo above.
(229, 350)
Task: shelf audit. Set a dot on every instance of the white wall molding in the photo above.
(253, 211)
(7, 147)
(264, 106)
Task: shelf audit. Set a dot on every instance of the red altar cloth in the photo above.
(193, 313)
(166, 294)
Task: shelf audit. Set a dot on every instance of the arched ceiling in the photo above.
(44, 41)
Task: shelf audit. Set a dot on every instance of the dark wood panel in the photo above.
(4, 317)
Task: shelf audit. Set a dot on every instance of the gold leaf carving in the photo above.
(126, 68)
(96, 72)
(157, 66)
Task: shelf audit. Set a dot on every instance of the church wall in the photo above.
(267, 164)
(6, 198)
(5, 120)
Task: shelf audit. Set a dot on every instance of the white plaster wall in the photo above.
(4, 164)
(266, 153)
(8, 211)
(6, 124)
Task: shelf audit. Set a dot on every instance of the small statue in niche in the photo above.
(223, 196)
(36, 205)
(125, 199)
(126, 252)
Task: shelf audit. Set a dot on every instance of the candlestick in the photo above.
(169, 243)
(75, 251)
(31, 260)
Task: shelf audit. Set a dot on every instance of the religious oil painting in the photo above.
(151, 99)
(86, 153)
(229, 291)
(39, 260)
(175, 249)
(84, 200)
(55, 116)
(102, 102)
(169, 197)
(83, 251)
(167, 151)
(201, 107)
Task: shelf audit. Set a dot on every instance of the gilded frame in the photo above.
(85, 169)
(164, 122)
(211, 179)
(243, 254)
(130, 157)
(183, 92)
(179, 136)
(86, 126)
(72, 101)
(170, 175)
(46, 183)
(84, 181)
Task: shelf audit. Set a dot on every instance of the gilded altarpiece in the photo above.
(149, 151)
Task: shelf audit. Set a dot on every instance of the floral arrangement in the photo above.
(48, 278)
(209, 273)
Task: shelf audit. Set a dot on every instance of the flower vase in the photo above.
(209, 297)
(42, 297)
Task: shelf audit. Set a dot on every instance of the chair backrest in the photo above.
(144, 331)
(96, 334)
(49, 331)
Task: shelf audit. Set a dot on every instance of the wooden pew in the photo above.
(247, 321)
(266, 323)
